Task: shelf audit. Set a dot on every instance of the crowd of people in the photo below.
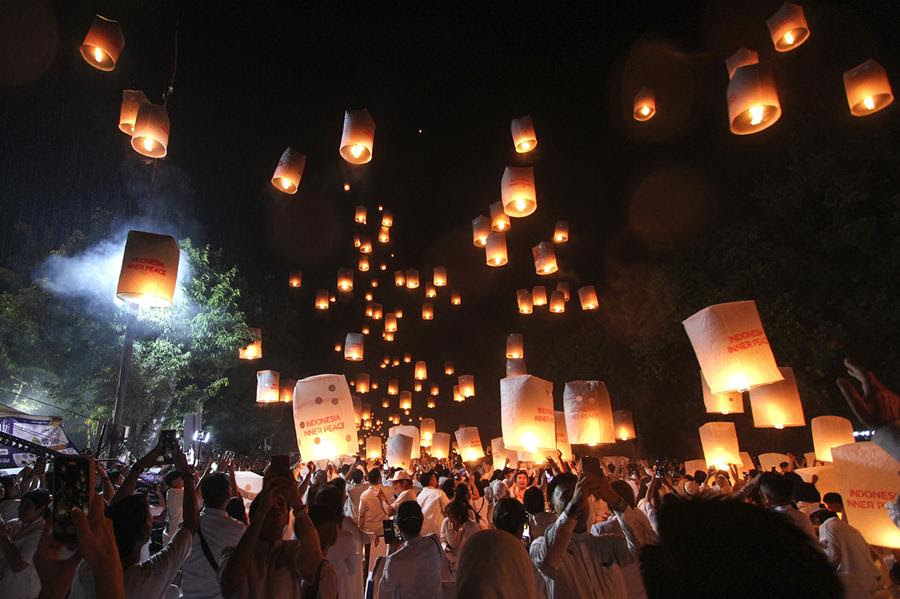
(440, 528)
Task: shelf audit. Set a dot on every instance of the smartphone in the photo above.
(168, 441)
(390, 536)
(280, 465)
(591, 465)
(70, 490)
(659, 471)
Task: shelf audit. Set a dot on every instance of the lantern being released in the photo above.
(253, 351)
(539, 295)
(323, 418)
(268, 389)
(731, 347)
(353, 347)
(515, 345)
(544, 258)
(558, 301)
(587, 295)
(440, 446)
(322, 301)
(470, 449)
(523, 300)
(358, 139)
(720, 445)
(467, 385)
(421, 371)
(103, 43)
(373, 448)
(516, 366)
(526, 413)
(753, 103)
(624, 425)
(731, 402)
(561, 231)
(426, 429)
(289, 171)
(481, 227)
(499, 219)
(741, 58)
(777, 405)
(503, 456)
(867, 479)
(588, 411)
(517, 191)
(410, 431)
(131, 102)
(828, 432)
(149, 270)
(868, 88)
(644, 105)
(151, 131)
(788, 27)
(495, 249)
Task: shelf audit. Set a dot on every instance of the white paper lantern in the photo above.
(544, 258)
(412, 278)
(624, 425)
(323, 418)
(131, 102)
(753, 103)
(558, 301)
(746, 462)
(828, 432)
(868, 88)
(410, 431)
(588, 411)
(345, 280)
(499, 219)
(151, 131)
(777, 405)
(103, 43)
(467, 385)
(526, 413)
(867, 477)
(362, 382)
(561, 231)
(515, 345)
(516, 367)
(470, 449)
(426, 431)
(439, 276)
(523, 300)
(440, 445)
(587, 295)
(539, 295)
(358, 138)
(149, 271)
(373, 448)
(517, 191)
(399, 450)
(720, 444)
(322, 302)
(524, 137)
(771, 460)
(268, 386)
(826, 478)
(500, 455)
(788, 27)
(289, 171)
(562, 437)
(421, 371)
(354, 347)
(481, 228)
(731, 402)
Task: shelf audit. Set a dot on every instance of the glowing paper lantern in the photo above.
(338, 347)
(721, 403)
(448, 368)
(421, 371)
(151, 131)
(544, 258)
(752, 99)
(564, 287)
(562, 437)
(440, 446)
(777, 405)
(399, 450)
(359, 215)
(430, 290)
(427, 311)
(131, 102)
(526, 413)
(495, 249)
(499, 219)
(623, 423)
(503, 457)
(345, 279)
(295, 279)
(588, 411)
(771, 461)
(741, 58)
(731, 347)
(867, 477)
(365, 245)
(385, 403)
(353, 347)
(390, 323)
(467, 385)
(407, 358)
(358, 138)
(373, 448)
(430, 403)
(523, 135)
(746, 462)
(558, 302)
(440, 276)
(515, 345)
(393, 387)
(376, 311)
(828, 432)
(693, 466)
(405, 400)
(523, 300)
(103, 43)
(286, 390)
(470, 449)
(516, 366)
(481, 227)
(788, 27)
(587, 295)
(455, 298)
(720, 444)
(399, 278)
(410, 431)
(412, 278)
(457, 394)
(517, 191)
(366, 413)
(363, 264)
(826, 478)
(149, 271)
(289, 171)
(435, 390)
(253, 351)
(267, 386)
(539, 295)
(426, 430)
(561, 231)
(387, 219)
(362, 382)
(322, 302)
(644, 105)
(868, 88)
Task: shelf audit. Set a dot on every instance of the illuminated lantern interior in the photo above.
(353, 347)
(777, 405)
(526, 413)
(345, 280)
(440, 446)
(587, 295)
(384, 235)
(457, 394)
(267, 386)
(405, 400)
(430, 403)
(149, 271)
(358, 138)
(373, 448)
(412, 278)
(523, 300)
(588, 411)
(788, 27)
(390, 323)
(644, 105)
(539, 295)
(503, 456)
(481, 227)
(455, 298)
(435, 389)
(253, 351)
(103, 44)
(286, 390)
(499, 219)
(523, 135)
(295, 279)
(623, 423)
(440, 276)
(151, 130)
(517, 191)
(410, 431)
(495, 250)
(868, 88)
(544, 258)
(430, 290)
(289, 171)
(365, 244)
(426, 431)
(407, 358)
(362, 382)
(720, 445)
(561, 231)
(469, 441)
(324, 399)
(828, 432)
(515, 345)
(467, 385)
(399, 278)
(427, 311)
(387, 219)
(753, 103)
(360, 215)
(322, 300)
(448, 368)
(421, 371)
(730, 402)
(131, 102)
(393, 387)
(558, 301)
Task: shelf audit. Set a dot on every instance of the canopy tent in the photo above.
(46, 431)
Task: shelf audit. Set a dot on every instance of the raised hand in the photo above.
(877, 405)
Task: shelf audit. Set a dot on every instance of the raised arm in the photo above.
(127, 488)
(190, 513)
(238, 563)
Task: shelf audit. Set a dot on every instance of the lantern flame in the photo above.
(756, 114)
(645, 110)
(869, 103)
(789, 38)
(356, 150)
(148, 144)
(98, 54)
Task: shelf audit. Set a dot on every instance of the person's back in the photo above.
(354, 492)
(414, 570)
(850, 555)
(433, 502)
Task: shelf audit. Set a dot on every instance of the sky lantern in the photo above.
(357, 241)
(544, 258)
(393, 387)
(516, 366)
(407, 358)
(365, 244)
(515, 345)
(440, 446)
(470, 449)
(376, 311)
(448, 368)
(455, 298)
(295, 279)
(412, 278)
(788, 27)
(399, 278)
(359, 215)
(289, 171)
(358, 139)
(720, 445)
(777, 405)
(353, 347)
(151, 131)
(495, 250)
(587, 295)
(324, 418)
(499, 219)
(828, 432)
(384, 235)
(523, 135)
(390, 323)
(435, 389)
(868, 88)
(286, 390)
(867, 479)
(345, 280)
(753, 103)
(103, 43)
(439, 276)
(374, 384)
(741, 58)
(427, 311)
(368, 309)
(503, 457)
(564, 287)
(385, 403)
(426, 431)
(588, 413)
(517, 191)
(338, 347)
(561, 231)
(253, 351)
(430, 289)
(730, 402)
(539, 295)
(623, 422)
(363, 263)
(558, 301)
(644, 105)
(373, 448)
(467, 385)
(387, 219)
(526, 413)
(523, 300)
(268, 389)
(421, 371)
(366, 413)
(562, 437)
(457, 394)
(405, 400)
(149, 271)
(131, 102)
(731, 347)
(430, 403)
(410, 431)
(481, 227)
(362, 382)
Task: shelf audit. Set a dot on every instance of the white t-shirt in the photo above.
(433, 502)
(220, 530)
(174, 506)
(414, 571)
(24, 584)
(346, 557)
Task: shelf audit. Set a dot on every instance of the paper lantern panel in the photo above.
(777, 405)
(323, 418)
(268, 388)
(410, 431)
(867, 478)
(828, 432)
(470, 449)
(526, 413)
(358, 138)
(720, 444)
(731, 402)
(588, 412)
(149, 270)
(440, 445)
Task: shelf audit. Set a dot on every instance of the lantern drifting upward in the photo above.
(588, 413)
(523, 135)
(421, 371)
(149, 271)
(587, 295)
(788, 27)
(457, 394)
(539, 295)
(544, 258)
(426, 431)
(435, 390)
(868, 88)
(515, 345)
(470, 449)
(517, 191)
(720, 445)
(644, 105)
(253, 351)
(495, 249)
(359, 215)
(430, 290)
(410, 431)
(777, 405)
(828, 432)
(439, 276)
(363, 263)
(523, 300)
(373, 448)
(132, 99)
(103, 43)
(412, 278)
(467, 385)
(286, 390)
(354, 350)
(358, 138)
(440, 445)
(295, 279)
(390, 323)
(624, 425)
(430, 403)
(289, 171)
(427, 311)
(323, 418)
(561, 231)
(455, 298)
(387, 219)
(731, 402)
(363, 382)
(516, 366)
(405, 400)
(558, 301)
(399, 278)
(448, 368)
(393, 387)
(345, 279)
(267, 386)
(526, 413)
(741, 58)
(499, 219)
(564, 287)
(151, 131)
(481, 227)
(322, 301)
(753, 103)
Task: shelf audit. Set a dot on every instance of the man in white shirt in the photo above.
(415, 569)
(403, 487)
(433, 502)
(850, 555)
(373, 511)
(173, 504)
(355, 486)
(218, 530)
(18, 578)
(776, 492)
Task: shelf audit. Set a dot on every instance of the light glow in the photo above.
(756, 114)
(357, 150)
(645, 110)
(148, 144)
(98, 54)
(869, 103)
(789, 38)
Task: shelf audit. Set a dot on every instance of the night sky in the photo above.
(442, 83)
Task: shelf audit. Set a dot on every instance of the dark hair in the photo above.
(522, 472)
(818, 517)
(39, 497)
(498, 475)
(806, 492)
(129, 517)
(783, 465)
(458, 511)
(778, 488)
(320, 513)
(509, 515)
(329, 496)
(170, 477)
(832, 497)
(374, 476)
(566, 478)
(409, 518)
(700, 477)
(235, 509)
(756, 546)
(449, 488)
(113, 474)
(356, 477)
(215, 489)
(425, 477)
(344, 469)
(611, 467)
(625, 491)
(340, 484)
(534, 500)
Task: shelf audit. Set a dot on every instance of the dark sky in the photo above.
(254, 78)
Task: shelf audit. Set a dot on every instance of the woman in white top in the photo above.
(456, 530)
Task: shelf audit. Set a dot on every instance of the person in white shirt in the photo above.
(538, 517)
(173, 504)
(345, 554)
(510, 517)
(373, 511)
(403, 487)
(218, 530)
(850, 555)
(355, 487)
(776, 492)
(433, 502)
(415, 569)
(456, 530)
(18, 543)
